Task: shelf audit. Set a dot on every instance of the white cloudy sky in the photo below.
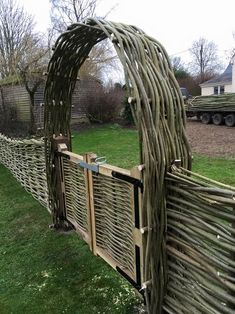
(175, 23)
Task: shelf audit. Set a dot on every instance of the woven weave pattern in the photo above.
(114, 221)
(26, 160)
(201, 244)
(75, 194)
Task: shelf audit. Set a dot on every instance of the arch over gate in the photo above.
(158, 110)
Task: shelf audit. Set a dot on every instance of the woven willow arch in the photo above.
(159, 114)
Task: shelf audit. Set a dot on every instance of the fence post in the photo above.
(89, 158)
(139, 223)
(59, 144)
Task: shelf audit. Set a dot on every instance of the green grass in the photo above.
(219, 169)
(121, 148)
(43, 271)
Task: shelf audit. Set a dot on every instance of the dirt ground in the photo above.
(211, 140)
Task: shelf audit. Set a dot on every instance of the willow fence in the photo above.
(166, 229)
(200, 244)
(104, 204)
(26, 160)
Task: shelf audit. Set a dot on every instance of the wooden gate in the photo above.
(103, 203)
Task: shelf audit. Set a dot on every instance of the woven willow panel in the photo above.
(201, 245)
(113, 218)
(75, 195)
(26, 160)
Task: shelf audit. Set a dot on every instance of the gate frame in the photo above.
(133, 176)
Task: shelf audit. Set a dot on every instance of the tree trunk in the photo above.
(32, 126)
(2, 101)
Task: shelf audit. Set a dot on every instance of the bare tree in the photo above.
(65, 12)
(30, 71)
(16, 27)
(23, 53)
(177, 63)
(205, 62)
(102, 59)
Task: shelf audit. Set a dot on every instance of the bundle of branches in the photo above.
(223, 102)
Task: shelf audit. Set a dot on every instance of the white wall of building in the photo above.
(228, 89)
(209, 90)
(205, 91)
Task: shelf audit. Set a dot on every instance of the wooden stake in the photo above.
(91, 214)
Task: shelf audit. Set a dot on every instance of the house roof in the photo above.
(224, 78)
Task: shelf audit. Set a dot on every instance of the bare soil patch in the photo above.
(211, 140)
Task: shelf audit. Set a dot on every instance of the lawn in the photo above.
(45, 271)
(121, 148)
(220, 169)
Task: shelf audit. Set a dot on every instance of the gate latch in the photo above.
(91, 167)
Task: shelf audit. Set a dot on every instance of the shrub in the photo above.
(104, 105)
(127, 113)
(9, 124)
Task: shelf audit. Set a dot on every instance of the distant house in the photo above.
(224, 83)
